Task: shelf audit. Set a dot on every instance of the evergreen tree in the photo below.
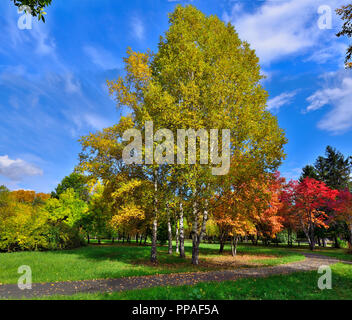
(309, 171)
(338, 169)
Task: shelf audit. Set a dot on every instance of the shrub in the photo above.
(48, 224)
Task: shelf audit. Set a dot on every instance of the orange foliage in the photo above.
(251, 207)
(26, 196)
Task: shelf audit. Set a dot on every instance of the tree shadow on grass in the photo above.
(124, 260)
(137, 255)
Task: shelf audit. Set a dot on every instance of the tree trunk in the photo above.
(336, 245)
(350, 241)
(312, 239)
(324, 242)
(197, 238)
(153, 253)
(88, 239)
(169, 230)
(182, 233)
(222, 244)
(177, 238)
(309, 231)
(195, 249)
(234, 242)
(222, 240)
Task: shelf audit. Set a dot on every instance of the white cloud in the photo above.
(337, 93)
(101, 57)
(278, 29)
(45, 45)
(72, 84)
(91, 120)
(292, 174)
(283, 99)
(137, 28)
(16, 170)
(96, 122)
(36, 39)
(236, 9)
(325, 54)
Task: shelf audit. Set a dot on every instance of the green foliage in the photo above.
(68, 209)
(4, 189)
(51, 224)
(212, 228)
(310, 172)
(4, 196)
(36, 7)
(99, 214)
(342, 243)
(162, 234)
(334, 169)
(22, 227)
(75, 181)
(284, 237)
(65, 216)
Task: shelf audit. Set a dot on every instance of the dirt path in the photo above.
(312, 262)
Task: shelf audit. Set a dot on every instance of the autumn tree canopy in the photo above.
(202, 77)
(343, 210)
(309, 199)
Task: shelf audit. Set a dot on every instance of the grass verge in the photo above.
(296, 286)
(115, 261)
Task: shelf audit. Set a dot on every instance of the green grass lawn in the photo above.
(297, 286)
(106, 261)
(341, 254)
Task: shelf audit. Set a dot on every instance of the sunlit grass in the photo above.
(296, 286)
(115, 261)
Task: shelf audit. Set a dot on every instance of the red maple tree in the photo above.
(343, 210)
(308, 199)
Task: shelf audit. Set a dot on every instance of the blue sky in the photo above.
(52, 77)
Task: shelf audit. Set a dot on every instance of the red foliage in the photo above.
(307, 199)
(343, 210)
